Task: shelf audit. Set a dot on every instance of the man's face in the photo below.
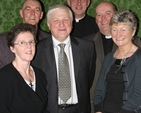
(104, 12)
(60, 24)
(79, 7)
(31, 12)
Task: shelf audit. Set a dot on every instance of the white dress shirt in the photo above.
(68, 51)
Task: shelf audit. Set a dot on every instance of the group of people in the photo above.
(97, 59)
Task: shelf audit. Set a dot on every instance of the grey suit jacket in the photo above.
(6, 56)
(84, 68)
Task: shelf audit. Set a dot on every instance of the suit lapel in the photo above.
(99, 46)
(49, 54)
(76, 55)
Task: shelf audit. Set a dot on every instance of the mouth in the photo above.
(105, 23)
(78, 8)
(28, 52)
(120, 39)
(32, 19)
(62, 29)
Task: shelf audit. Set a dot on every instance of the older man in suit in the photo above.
(31, 13)
(80, 65)
(102, 39)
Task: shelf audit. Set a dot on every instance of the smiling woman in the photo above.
(118, 86)
(24, 83)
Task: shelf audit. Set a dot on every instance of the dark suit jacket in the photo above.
(15, 94)
(84, 69)
(97, 39)
(6, 56)
(84, 27)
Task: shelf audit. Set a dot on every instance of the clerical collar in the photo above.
(108, 37)
(78, 19)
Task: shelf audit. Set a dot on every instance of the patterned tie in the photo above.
(64, 75)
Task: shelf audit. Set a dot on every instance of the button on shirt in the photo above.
(68, 51)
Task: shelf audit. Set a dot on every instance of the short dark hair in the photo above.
(16, 30)
(32, 0)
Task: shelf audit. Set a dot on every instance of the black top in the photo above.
(107, 45)
(15, 94)
(84, 27)
(115, 88)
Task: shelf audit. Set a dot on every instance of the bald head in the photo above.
(106, 4)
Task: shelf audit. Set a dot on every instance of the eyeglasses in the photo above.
(24, 43)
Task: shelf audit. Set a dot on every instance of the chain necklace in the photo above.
(123, 60)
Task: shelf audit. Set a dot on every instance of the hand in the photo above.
(98, 112)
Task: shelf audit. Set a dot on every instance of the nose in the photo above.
(103, 17)
(78, 2)
(28, 44)
(118, 34)
(61, 23)
(33, 12)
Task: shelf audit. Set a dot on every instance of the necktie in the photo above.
(64, 75)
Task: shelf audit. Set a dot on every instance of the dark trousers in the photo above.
(71, 109)
(108, 112)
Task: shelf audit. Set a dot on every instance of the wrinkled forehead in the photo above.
(104, 7)
(79, 0)
(32, 3)
(59, 12)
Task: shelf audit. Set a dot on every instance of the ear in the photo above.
(48, 25)
(41, 15)
(134, 31)
(88, 3)
(12, 49)
(68, 1)
(21, 13)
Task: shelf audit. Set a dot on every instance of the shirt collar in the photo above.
(78, 19)
(56, 42)
(108, 37)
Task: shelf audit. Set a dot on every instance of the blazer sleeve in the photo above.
(133, 102)
(92, 65)
(5, 95)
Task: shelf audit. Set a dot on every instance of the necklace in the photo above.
(123, 60)
(30, 83)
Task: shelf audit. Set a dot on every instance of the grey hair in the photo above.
(56, 7)
(126, 17)
(23, 4)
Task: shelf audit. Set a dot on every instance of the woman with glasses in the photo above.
(22, 86)
(118, 88)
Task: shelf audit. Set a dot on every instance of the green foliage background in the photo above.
(9, 11)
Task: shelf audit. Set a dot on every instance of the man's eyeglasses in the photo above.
(24, 43)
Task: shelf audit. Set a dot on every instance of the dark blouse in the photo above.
(15, 94)
(115, 88)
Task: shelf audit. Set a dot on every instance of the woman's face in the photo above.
(24, 47)
(122, 34)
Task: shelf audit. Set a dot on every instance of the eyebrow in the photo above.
(31, 7)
